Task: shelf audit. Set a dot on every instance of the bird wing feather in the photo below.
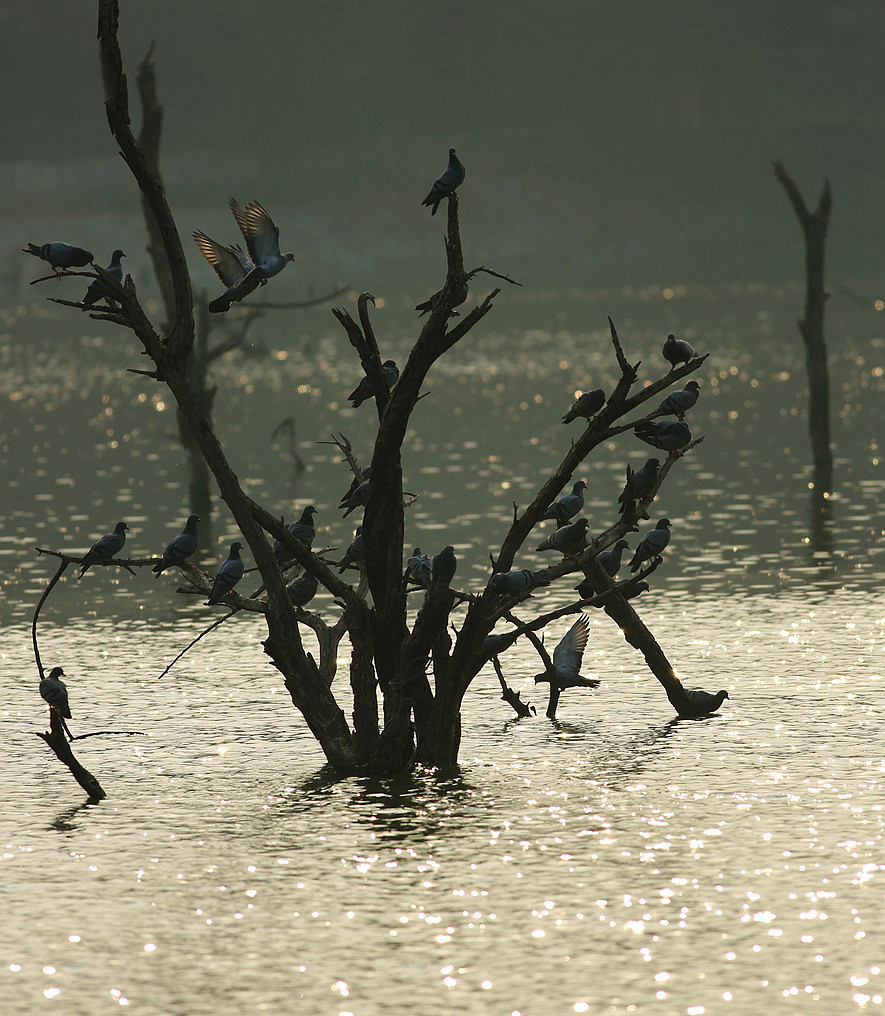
(229, 263)
(569, 652)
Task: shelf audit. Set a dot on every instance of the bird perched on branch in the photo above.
(303, 530)
(302, 590)
(568, 506)
(568, 540)
(443, 566)
(60, 256)
(229, 574)
(698, 703)
(104, 549)
(98, 288)
(358, 499)
(677, 351)
(366, 474)
(639, 485)
(447, 184)
(364, 390)
(419, 568)
(181, 548)
(635, 588)
(567, 658)
(610, 562)
(459, 294)
(678, 403)
(653, 544)
(522, 580)
(668, 435)
(54, 691)
(355, 555)
(586, 405)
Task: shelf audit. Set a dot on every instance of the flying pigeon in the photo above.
(610, 562)
(262, 239)
(513, 583)
(355, 555)
(458, 296)
(231, 265)
(181, 548)
(443, 566)
(54, 691)
(586, 405)
(419, 568)
(105, 548)
(98, 288)
(364, 389)
(677, 351)
(652, 545)
(302, 590)
(568, 540)
(366, 474)
(678, 403)
(303, 530)
(567, 658)
(229, 574)
(358, 499)
(568, 506)
(60, 255)
(668, 435)
(639, 485)
(447, 184)
(700, 703)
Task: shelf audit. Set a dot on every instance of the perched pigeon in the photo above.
(303, 530)
(364, 389)
(358, 499)
(98, 288)
(652, 545)
(447, 184)
(677, 351)
(639, 485)
(60, 255)
(586, 405)
(54, 691)
(700, 703)
(513, 583)
(610, 562)
(567, 658)
(355, 555)
(668, 435)
(568, 506)
(458, 296)
(181, 548)
(444, 565)
(419, 568)
(232, 266)
(678, 403)
(355, 482)
(302, 590)
(629, 592)
(229, 574)
(105, 548)
(568, 540)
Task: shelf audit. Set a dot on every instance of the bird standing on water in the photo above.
(447, 184)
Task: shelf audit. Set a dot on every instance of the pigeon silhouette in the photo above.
(678, 403)
(639, 485)
(568, 540)
(567, 658)
(61, 256)
(444, 565)
(522, 580)
(355, 555)
(303, 530)
(447, 184)
(698, 703)
(610, 562)
(54, 691)
(181, 548)
(419, 568)
(366, 474)
(229, 574)
(358, 499)
(677, 351)
(302, 590)
(668, 435)
(586, 405)
(364, 389)
(99, 289)
(105, 548)
(262, 240)
(568, 506)
(652, 545)
(460, 292)
(232, 265)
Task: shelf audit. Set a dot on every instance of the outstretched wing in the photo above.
(261, 235)
(230, 263)
(568, 654)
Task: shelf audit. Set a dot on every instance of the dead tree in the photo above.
(811, 325)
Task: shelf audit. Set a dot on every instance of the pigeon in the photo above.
(355, 555)
(700, 703)
(231, 265)
(610, 562)
(98, 288)
(586, 405)
(677, 351)
(262, 240)
(568, 506)
(366, 474)
(652, 545)
(54, 691)
(668, 435)
(181, 548)
(628, 592)
(568, 540)
(419, 568)
(358, 499)
(513, 583)
(567, 658)
(639, 485)
(678, 403)
(303, 530)
(229, 574)
(458, 296)
(105, 548)
(364, 389)
(447, 184)
(302, 590)
(443, 566)
(60, 256)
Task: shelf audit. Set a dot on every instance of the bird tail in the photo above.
(32, 248)
(220, 305)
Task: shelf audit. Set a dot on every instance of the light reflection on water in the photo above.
(612, 861)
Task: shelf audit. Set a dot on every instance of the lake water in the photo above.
(612, 861)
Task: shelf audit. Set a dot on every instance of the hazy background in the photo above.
(604, 142)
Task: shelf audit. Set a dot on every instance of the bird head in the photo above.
(55, 673)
